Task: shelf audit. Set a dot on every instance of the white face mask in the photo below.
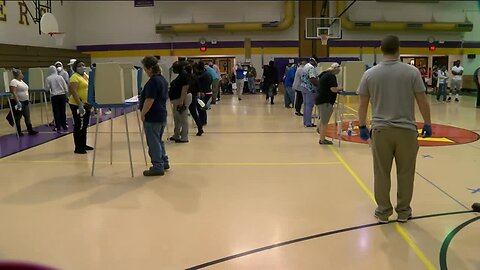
(59, 69)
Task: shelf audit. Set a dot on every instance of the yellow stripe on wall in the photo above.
(192, 52)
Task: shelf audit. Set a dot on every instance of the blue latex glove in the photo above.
(364, 133)
(81, 110)
(427, 131)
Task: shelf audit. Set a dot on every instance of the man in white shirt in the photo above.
(456, 85)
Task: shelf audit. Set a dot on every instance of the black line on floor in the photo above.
(441, 190)
(302, 239)
(449, 238)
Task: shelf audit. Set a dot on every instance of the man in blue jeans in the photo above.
(153, 109)
(309, 82)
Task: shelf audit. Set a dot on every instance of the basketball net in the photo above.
(59, 36)
(324, 39)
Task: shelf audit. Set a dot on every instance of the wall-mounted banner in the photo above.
(144, 3)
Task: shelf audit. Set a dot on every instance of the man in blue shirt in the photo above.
(288, 83)
(239, 76)
(153, 107)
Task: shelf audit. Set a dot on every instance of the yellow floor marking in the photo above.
(399, 229)
(443, 139)
(178, 163)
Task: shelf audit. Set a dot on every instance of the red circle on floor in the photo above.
(442, 135)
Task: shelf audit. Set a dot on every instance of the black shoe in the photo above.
(200, 132)
(80, 151)
(449, 99)
(153, 173)
(20, 134)
(180, 141)
(88, 148)
(272, 102)
(166, 166)
(299, 113)
(311, 125)
(172, 139)
(456, 100)
(327, 142)
(32, 132)
(239, 99)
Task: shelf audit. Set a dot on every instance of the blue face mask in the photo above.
(81, 70)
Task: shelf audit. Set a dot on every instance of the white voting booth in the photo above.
(112, 85)
(352, 72)
(36, 84)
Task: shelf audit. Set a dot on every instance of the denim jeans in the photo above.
(308, 103)
(442, 91)
(251, 84)
(289, 96)
(156, 147)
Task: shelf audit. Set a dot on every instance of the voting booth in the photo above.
(36, 84)
(115, 86)
(352, 72)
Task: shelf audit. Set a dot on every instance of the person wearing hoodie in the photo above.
(58, 89)
(62, 72)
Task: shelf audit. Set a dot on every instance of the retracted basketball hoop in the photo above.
(59, 36)
(49, 25)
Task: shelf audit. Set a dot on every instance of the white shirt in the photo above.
(457, 69)
(22, 89)
(442, 76)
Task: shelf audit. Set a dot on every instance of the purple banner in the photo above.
(144, 3)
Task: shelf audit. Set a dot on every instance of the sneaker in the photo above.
(166, 166)
(325, 142)
(404, 220)
(381, 220)
(32, 132)
(83, 151)
(456, 100)
(153, 173)
(108, 112)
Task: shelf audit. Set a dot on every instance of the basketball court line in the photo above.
(420, 254)
(441, 190)
(317, 236)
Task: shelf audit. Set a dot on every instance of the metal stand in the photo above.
(111, 139)
(43, 98)
(340, 113)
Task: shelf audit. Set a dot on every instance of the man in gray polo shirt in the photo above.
(391, 87)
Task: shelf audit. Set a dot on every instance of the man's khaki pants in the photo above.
(389, 143)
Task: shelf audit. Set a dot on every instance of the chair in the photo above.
(115, 102)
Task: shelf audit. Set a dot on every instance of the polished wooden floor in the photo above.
(255, 179)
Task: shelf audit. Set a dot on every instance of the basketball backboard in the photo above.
(48, 24)
(315, 28)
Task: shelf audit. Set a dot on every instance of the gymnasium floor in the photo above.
(246, 195)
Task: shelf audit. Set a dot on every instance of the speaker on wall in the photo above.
(471, 56)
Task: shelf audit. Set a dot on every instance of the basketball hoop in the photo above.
(59, 36)
(324, 39)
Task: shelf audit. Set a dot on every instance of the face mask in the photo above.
(81, 70)
(59, 69)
